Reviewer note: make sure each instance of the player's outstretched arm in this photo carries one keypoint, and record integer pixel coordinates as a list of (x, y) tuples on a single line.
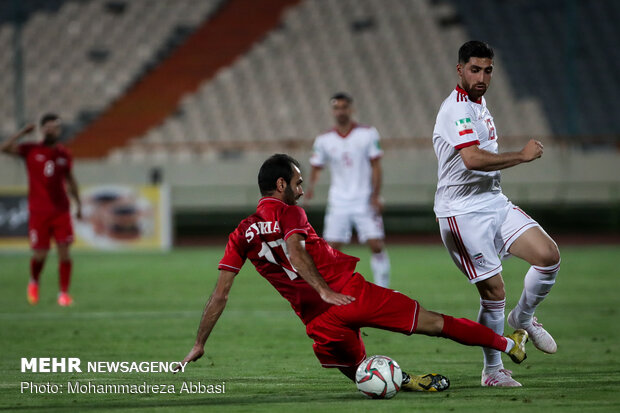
[(478, 159), (212, 312), (303, 263), (10, 145)]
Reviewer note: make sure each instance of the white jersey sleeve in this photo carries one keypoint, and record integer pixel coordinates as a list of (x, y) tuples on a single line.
[(374, 148), (458, 127), (319, 155)]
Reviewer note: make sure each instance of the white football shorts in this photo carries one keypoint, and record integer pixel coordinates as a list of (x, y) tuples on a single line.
[(340, 221), (478, 241)]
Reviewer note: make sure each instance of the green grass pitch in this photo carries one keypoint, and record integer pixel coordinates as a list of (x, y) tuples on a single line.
[(143, 307)]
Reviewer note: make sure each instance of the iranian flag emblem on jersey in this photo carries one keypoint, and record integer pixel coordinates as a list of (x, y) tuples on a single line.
[(464, 126)]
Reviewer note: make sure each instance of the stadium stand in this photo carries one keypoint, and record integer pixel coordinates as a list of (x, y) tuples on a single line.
[(81, 55), (571, 62), (397, 61), (215, 45)]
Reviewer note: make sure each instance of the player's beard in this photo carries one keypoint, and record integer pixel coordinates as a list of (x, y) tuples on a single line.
[(50, 139), (343, 120), (289, 196), (473, 92)]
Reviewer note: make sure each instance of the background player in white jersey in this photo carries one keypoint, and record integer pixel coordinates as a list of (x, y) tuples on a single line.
[(353, 155), (479, 225)]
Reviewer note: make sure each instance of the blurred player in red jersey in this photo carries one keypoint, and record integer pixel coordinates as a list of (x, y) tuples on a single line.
[(321, 284), (49, 167)]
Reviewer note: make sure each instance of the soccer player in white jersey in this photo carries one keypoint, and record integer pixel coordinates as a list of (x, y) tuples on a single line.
[(479, 225), (353, 154)]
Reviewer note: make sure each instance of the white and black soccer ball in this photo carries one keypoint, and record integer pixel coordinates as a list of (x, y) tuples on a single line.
[(379, 377)]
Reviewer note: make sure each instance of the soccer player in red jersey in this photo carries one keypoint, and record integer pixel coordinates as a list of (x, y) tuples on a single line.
[(49, 167), (321, 284)]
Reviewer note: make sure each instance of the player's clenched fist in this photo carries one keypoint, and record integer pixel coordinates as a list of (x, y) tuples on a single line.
[(532, 150)]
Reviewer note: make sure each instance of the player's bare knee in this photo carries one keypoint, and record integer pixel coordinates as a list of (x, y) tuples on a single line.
[(430, 323), (552, 256), (492, 289), (63, 253), (547, 256), (495, 294), (376, 246), (39, 255)]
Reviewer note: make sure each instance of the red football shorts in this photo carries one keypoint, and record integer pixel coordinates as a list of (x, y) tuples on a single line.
[(41, 227), (336, 332)]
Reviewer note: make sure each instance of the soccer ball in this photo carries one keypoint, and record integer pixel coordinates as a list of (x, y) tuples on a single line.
[(379, 377)]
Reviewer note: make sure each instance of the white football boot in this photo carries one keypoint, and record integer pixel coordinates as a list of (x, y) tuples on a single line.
[(540, 337), (498, 378)]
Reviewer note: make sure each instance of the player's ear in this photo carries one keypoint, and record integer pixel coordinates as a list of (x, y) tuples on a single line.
[(281, 184), (459, 69)]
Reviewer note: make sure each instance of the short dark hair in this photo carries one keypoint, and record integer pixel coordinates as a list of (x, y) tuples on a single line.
[(475, 48), (342, 96), (48, 117), (276, 166)]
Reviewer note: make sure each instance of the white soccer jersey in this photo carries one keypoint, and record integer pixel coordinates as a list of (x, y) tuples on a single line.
[(348, 157), (461, 123)]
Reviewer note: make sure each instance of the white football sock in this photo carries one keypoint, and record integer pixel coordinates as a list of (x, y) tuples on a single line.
[(380, 264), (492, 315), (536, 285)]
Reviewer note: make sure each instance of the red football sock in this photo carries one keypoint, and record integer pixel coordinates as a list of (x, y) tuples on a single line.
[(35, 270), (64, 270), (470, 333)]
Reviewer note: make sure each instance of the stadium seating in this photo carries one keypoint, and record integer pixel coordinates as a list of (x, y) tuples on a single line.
[(79, 56), (397, 61), (567, 58)]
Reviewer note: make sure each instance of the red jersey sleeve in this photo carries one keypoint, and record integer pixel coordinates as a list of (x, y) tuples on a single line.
[(235, 253), (24, 149), (293, 220)]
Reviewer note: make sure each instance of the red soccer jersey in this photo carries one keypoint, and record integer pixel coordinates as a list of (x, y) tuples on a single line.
[(262, 236), (48, 167)]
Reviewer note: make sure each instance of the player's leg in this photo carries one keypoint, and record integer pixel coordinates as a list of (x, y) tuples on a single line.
[(470, 333), (386, 309), (39, 235), (339, 345), (63, 233), (369, 227), (379, 262), (64, 275), (471, 243), (336, 334), (349, 372), (37, 261), (541, 252), (491, 314), (337, 228), (336, 345)]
